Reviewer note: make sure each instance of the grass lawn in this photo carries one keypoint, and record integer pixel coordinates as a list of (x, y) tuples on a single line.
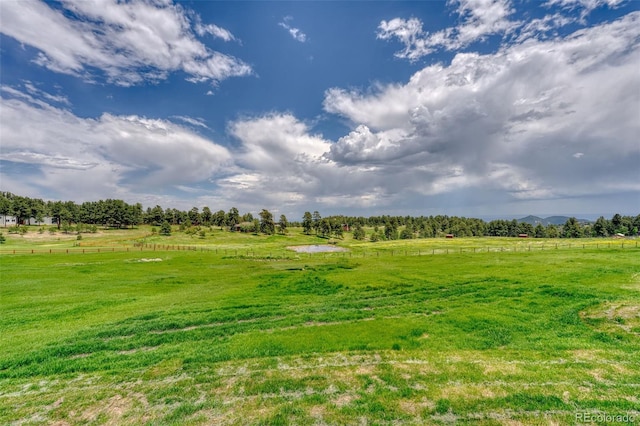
[(497, 331)]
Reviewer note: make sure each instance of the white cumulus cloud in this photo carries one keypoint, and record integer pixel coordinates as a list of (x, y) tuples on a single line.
[(480, 18), (91, 158), (126, 42), (511, 120)]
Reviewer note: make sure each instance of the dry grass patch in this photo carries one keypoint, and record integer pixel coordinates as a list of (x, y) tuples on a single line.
[(118, 410), (416, 407), (491, 368), (615, 315), (343, 399)]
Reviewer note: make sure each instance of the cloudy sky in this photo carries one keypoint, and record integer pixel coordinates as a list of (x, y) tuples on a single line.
[(489, 108)]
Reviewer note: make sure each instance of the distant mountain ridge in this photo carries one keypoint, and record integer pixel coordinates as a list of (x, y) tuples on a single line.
[(551, 220)]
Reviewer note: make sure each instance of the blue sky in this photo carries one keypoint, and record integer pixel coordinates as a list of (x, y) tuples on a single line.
[(491, 108)]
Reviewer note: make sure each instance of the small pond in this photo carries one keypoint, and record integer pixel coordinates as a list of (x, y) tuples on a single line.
[(317, 248)]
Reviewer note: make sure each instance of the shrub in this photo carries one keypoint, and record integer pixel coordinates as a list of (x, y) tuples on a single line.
[(358, 233), (406, 234), (2, 239), (165, 229)]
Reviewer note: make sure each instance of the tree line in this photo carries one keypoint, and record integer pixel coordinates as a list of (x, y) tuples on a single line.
[(119, 214), (407, 227)]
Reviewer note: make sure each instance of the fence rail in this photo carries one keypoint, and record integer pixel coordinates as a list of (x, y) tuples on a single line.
[(79, 249), (290, 254)]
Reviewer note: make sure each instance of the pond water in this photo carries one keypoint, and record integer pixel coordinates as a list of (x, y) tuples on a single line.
[(317, 248)]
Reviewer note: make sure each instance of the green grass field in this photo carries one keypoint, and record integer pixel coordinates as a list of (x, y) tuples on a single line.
[(243, 331)]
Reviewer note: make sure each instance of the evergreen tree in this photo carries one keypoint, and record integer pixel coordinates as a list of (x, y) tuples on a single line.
[(324, 227), (552, 231), (391, 231), (206, 216), (219, 218), (540, 231), (233, 218), (358, 232), (283, 224), (165, 229), (336, 227), (406, 234), (21, 209), (267, 225), (307, 223), (600, 227), (571, 228), (316, 221), (194, 216)]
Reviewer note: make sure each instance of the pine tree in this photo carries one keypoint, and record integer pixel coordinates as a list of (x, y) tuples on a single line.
[(165, 229), (307, 223)]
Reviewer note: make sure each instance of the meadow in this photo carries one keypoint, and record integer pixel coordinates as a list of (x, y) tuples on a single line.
[(238, 329)]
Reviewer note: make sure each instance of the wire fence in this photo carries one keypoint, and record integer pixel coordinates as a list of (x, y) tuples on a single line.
[(282, 253)]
